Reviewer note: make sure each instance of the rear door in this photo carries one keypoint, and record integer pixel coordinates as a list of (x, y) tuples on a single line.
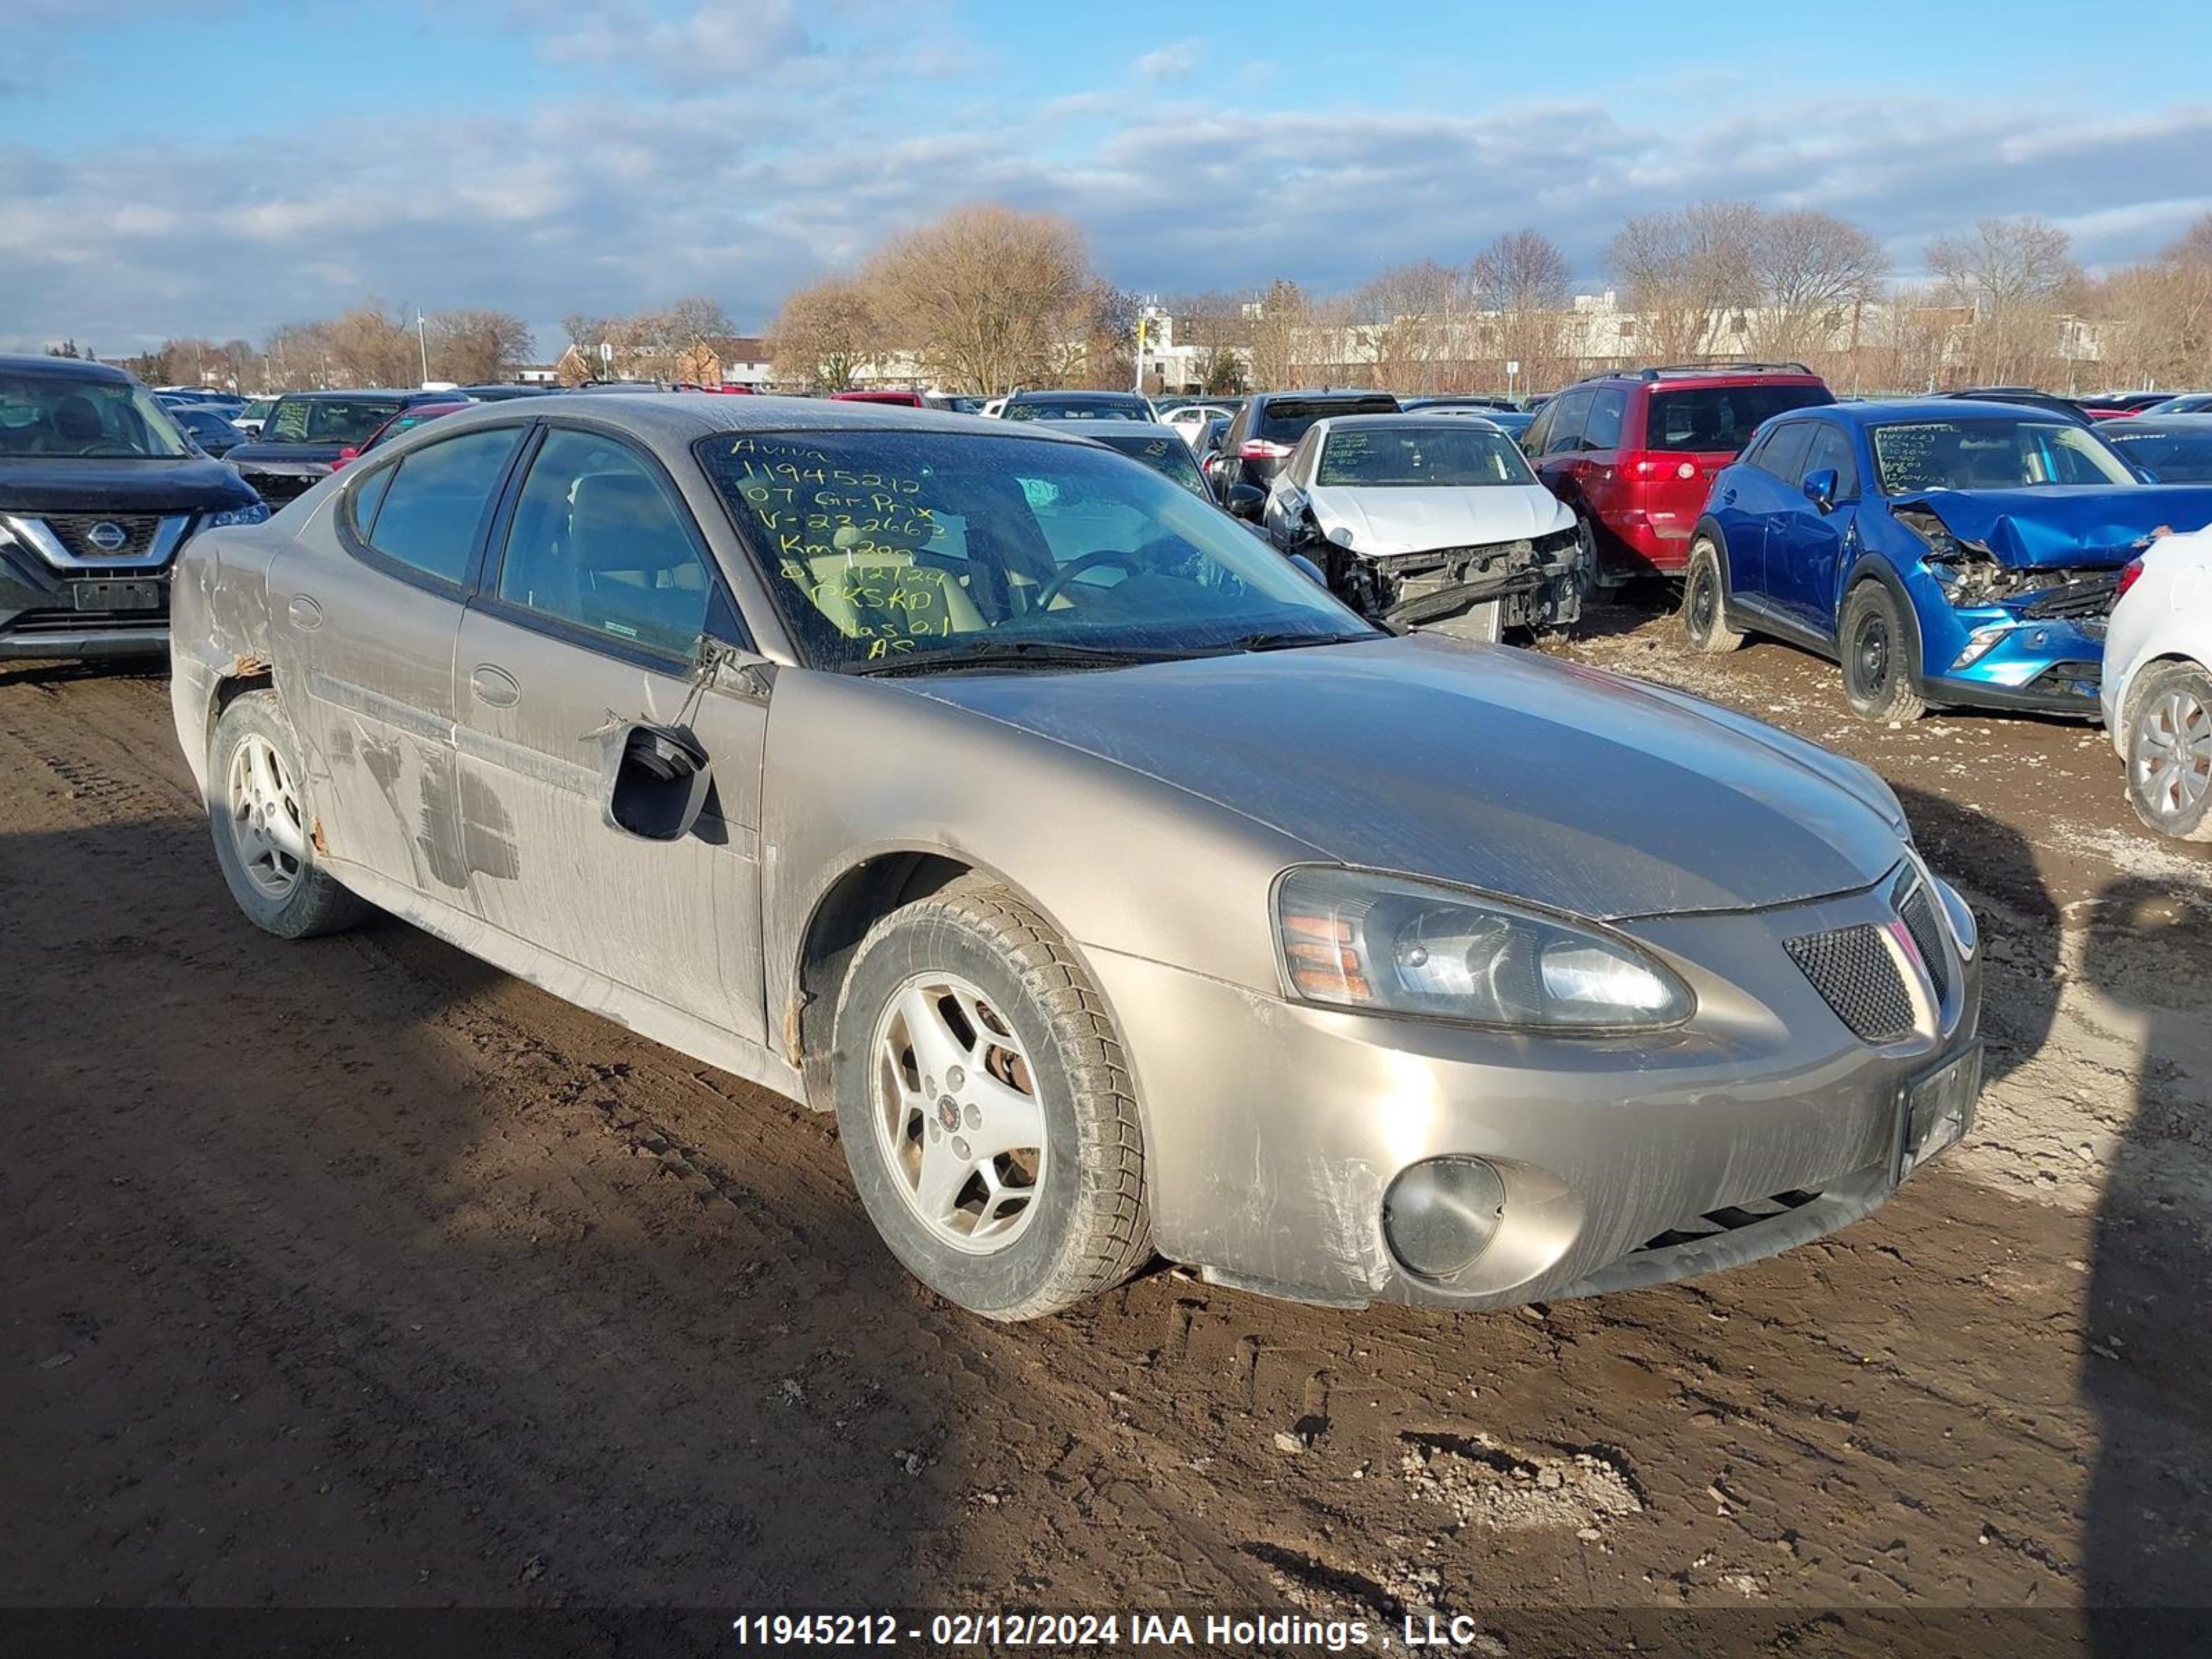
[(593, 599), (1805, 547), (364, 613)]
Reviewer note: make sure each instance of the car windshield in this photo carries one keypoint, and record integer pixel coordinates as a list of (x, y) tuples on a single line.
[(1166, 454), (71, 414), (1720, 419), (890, 549), (326, 420), (1439, 456), (1075, 409), (1997, 453), (2174, 457)]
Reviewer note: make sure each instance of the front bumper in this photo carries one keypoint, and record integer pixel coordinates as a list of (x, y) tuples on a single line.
[(1533, 579), (2046, 665), (1274, 1129), (40, 615)]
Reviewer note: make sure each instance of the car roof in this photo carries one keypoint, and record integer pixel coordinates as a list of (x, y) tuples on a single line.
[(75, 369), (1317, 393), (2181, 421), (1118, 428), (364, 392), (679, 419), (1075, 397), (1405, 418), (1911, 408), (1695, 374)]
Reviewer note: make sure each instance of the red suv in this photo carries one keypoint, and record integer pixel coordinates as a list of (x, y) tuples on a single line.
[(1633, 452)]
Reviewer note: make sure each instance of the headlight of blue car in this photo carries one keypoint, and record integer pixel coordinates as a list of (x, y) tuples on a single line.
[(1384, 944), (251, 513)]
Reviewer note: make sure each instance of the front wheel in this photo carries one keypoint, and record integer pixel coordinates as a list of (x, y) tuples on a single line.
[(2170, 751), (1704, 616), (265, 833), (1878, 646), (987, 1112)]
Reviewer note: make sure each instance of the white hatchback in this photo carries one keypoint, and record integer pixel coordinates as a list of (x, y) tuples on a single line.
[(2157, 690)]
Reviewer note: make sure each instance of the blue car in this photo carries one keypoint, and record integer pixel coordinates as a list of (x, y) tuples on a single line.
[(1945, 552)]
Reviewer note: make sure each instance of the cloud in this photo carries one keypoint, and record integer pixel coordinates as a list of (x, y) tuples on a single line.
[(1167, 62), (698, 47), (603, 204)]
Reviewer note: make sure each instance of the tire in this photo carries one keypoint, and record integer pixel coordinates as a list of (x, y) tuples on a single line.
[(264, 826), (1704, 613), (1878, 646), (1049, 1225), (2169, 740), (1587, 585)]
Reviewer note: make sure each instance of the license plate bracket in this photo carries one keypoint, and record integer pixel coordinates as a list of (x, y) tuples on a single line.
[(1938, 1108), (109, 593)]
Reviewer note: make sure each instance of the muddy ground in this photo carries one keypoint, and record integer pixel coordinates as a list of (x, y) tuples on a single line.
[(355, 1273)]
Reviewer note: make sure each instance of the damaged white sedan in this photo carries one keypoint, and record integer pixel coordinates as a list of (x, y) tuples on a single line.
[(1415, 519)]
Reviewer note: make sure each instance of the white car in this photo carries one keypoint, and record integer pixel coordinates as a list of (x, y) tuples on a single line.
[(1418, 518), (2157, 690), (1189, 420)]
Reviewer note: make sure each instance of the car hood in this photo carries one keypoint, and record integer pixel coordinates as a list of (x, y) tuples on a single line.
[(1493, 768), (1415, 521), (2067, 526), (286, 456), (61, 484)]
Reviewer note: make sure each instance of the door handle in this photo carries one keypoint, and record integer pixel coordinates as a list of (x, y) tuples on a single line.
[(494, 687), (304, 611)]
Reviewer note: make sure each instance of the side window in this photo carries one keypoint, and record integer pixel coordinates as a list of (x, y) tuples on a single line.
[(363, 499), (1539, 429), (1783, 454), (598, 542), (1567, 434), (1602, 430), (430, 511), (1831, 451)]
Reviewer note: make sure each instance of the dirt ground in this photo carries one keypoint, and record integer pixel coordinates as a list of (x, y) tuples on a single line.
[(355, 1273)]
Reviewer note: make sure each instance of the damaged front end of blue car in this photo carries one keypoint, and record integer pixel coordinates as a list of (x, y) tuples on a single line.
[(2012, 589)]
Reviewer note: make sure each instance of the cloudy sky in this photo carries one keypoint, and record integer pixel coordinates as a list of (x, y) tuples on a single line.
[(215, 167)]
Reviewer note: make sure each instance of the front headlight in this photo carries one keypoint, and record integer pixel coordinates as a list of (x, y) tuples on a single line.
[(251, 513), (1384, 943)]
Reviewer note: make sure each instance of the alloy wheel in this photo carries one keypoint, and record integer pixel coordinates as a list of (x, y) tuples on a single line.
[(956, 1114), (267, 824), (2172, 757)]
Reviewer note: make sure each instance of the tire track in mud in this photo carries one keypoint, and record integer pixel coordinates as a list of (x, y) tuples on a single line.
[(485, 1288)]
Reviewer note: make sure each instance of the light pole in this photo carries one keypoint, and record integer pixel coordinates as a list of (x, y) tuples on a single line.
[(422, 339)]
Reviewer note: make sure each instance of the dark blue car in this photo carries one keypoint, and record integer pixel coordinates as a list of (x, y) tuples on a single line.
[(1944, 552)]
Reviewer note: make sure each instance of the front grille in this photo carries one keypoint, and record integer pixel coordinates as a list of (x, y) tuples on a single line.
[(74, 531), (2078, 679), (1856, 975), (1919, 911), (2085, 596), (1729, 1218)]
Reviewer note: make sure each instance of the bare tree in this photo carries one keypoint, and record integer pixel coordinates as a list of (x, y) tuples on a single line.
[(1281, 319), (2155, 318), (473, 347), (1522, 281), (826, 332), (1814, 275), (1688, 273), (986, 294), (1409, 329), (1216, 325), (2017, 278)]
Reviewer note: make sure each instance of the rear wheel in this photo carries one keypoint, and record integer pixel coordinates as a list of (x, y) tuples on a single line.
[(987, 1113), (1704, 619), (1878, 646), (263, 830), (2170, 751)]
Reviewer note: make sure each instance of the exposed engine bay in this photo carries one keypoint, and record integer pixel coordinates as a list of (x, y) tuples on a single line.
[(1535, 579)]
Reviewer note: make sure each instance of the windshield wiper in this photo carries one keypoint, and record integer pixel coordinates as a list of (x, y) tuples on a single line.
[(1041, 653), (1283, 642)]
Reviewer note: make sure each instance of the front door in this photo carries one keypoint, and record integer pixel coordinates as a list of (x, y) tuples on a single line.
[(1804, 545), (367, 628), (592, 608)]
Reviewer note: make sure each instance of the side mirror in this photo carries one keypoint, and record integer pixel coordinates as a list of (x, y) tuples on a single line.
[(2146, 474), (1820, 489), (350, 453), (655, 780), (1311, 569), (1247, 501)]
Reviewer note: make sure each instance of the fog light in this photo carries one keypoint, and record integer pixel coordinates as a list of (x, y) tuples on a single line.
[(1441, 1215), (1979, 644)]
